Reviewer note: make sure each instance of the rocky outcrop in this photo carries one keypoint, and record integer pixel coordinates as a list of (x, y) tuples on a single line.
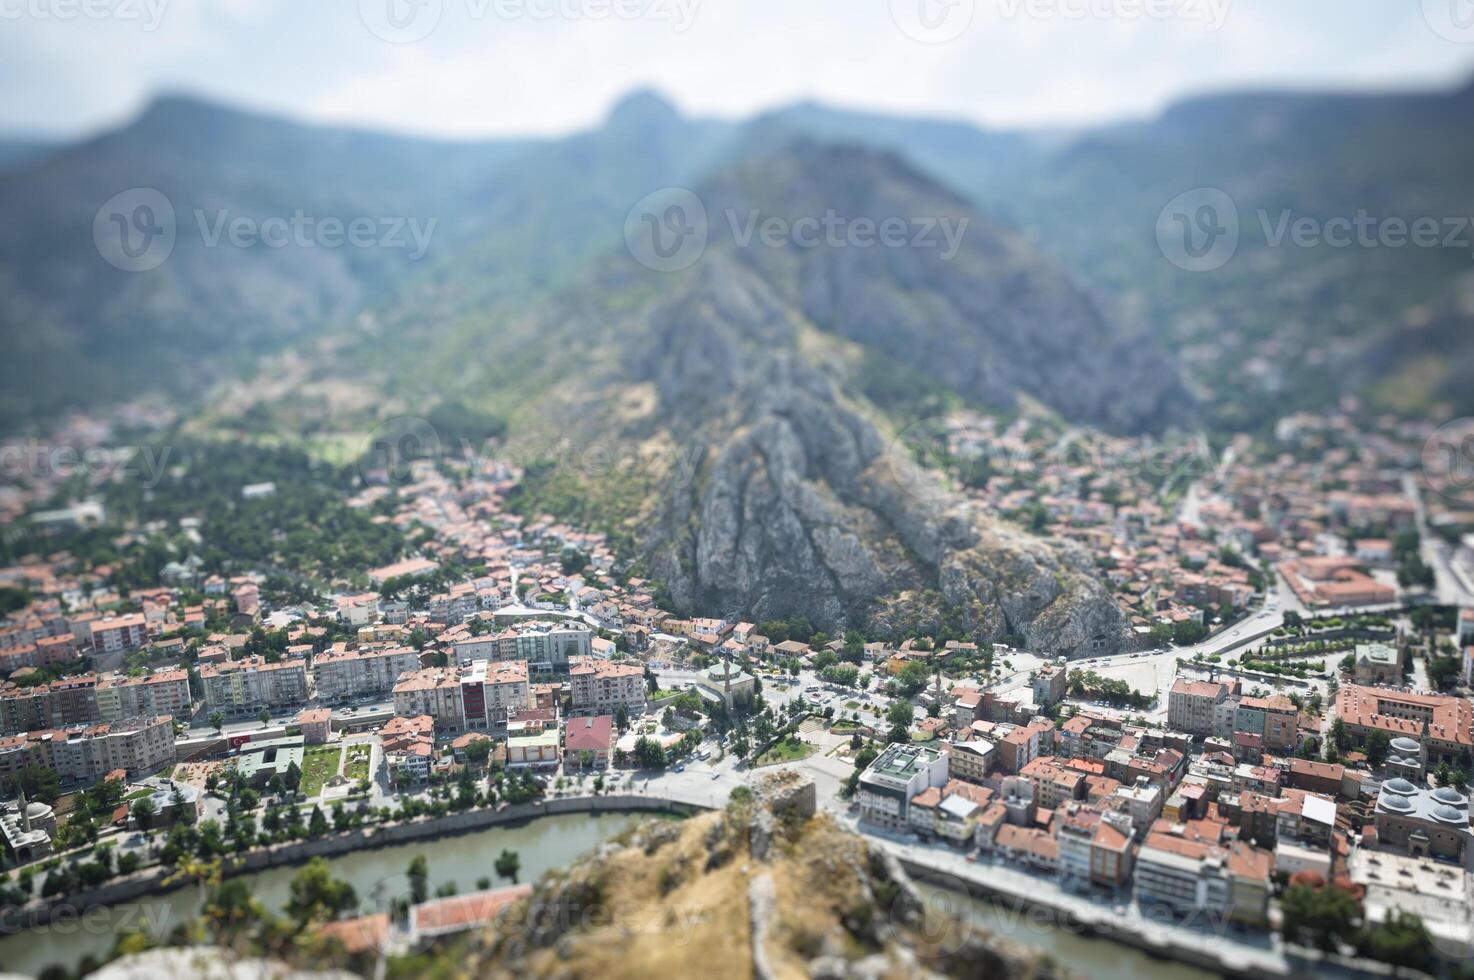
[(948, 293), (817, 901), (798, 503)]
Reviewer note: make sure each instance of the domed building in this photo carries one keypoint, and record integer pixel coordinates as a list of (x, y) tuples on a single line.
[(27, 829), (1405, 759), (1425, 823)]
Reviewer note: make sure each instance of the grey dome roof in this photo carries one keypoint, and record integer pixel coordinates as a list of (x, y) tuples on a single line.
[(1451, 796), (1447, 814), (1405, 745), (1399, 786), (37, 809), (1392, 801)]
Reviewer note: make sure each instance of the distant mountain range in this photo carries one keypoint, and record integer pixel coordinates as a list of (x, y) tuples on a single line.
[(758, 387), (1296, 325)]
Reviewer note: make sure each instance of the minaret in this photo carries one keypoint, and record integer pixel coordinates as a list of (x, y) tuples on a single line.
[(25, 812)]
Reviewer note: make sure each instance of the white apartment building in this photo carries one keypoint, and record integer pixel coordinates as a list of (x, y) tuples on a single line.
[(119, 633), (1190, 705), (603, 685), (433, 691), (163, 693), (244, 687), (135, 745), (898, 774), (492, 691), (352, 674)]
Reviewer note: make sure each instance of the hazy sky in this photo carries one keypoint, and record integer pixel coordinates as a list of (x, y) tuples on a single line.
[(475, 67)]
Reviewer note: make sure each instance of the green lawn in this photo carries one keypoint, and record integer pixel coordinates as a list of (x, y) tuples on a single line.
[(852, 705), (358, 762), (790, 749), (319, 764)]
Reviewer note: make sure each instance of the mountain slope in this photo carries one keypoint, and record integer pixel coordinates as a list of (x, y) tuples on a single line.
[(1276, 328), (86, 331), (951, 295), (760, 481)]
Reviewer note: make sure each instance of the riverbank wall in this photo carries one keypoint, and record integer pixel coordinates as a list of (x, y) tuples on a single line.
[(156, 880), (1196, 951)]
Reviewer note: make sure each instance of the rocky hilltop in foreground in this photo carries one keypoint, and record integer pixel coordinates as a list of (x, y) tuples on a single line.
[(764, 888)]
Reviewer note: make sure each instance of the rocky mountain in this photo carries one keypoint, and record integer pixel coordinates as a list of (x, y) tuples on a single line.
[(952, 295), (798, 504), (768, 485), (86, 323), (1275, 327)]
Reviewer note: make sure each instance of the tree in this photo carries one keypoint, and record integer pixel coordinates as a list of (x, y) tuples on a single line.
[(912, 678), (649, 754), (316, 894), (232, 908), (1377, 744), (144, 812), (217, 720), (1320, 917), (508, 865), (478, 751), (317, 824), (40, 783), (901, 713), (264, 716), (419, 879), (1400, 939)]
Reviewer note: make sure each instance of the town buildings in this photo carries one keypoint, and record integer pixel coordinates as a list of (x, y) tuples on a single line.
[(1425, 823), (366, 673), (163, 692), (493, 691), (85, 753), (1442, 725), (886, 787), (603, 685), (435, 692), (243, 687), (588, 741)]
